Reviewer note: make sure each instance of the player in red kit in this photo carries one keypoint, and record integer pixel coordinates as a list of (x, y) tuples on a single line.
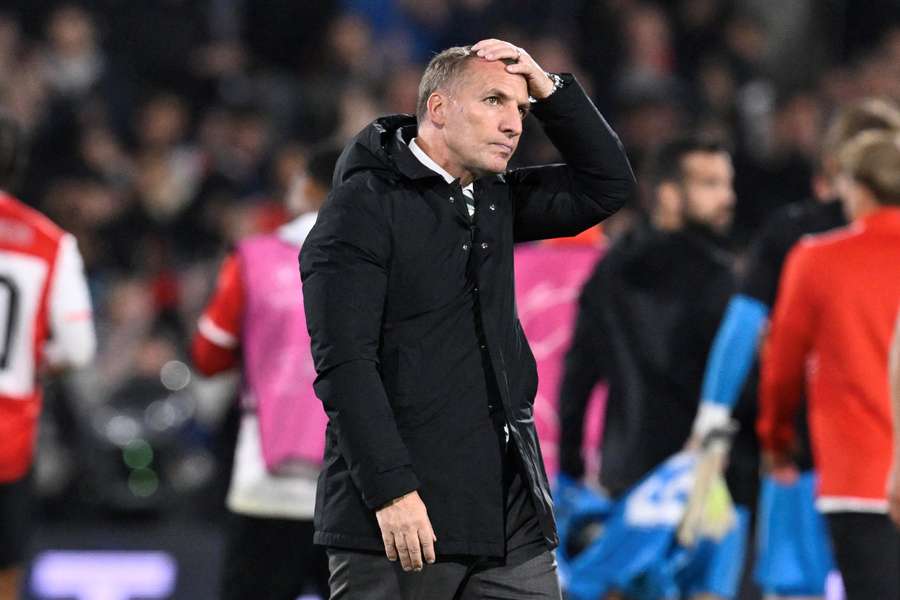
[(45, 321)]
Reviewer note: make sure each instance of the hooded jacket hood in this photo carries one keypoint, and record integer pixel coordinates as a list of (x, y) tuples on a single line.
[(382, 147)]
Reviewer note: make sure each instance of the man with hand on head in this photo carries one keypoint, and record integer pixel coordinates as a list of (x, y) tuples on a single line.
[(433, 484)]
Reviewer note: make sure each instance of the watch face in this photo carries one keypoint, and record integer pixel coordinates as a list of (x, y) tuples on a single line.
[(556, 79)]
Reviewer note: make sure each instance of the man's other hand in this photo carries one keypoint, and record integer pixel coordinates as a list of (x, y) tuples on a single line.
[(406, 531), (781, 467)]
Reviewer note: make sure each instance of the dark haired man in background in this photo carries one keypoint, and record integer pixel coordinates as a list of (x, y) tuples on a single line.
[(646, 318), (647, 315)]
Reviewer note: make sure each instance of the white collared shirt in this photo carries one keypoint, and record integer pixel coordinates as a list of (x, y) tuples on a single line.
[(468, 191)]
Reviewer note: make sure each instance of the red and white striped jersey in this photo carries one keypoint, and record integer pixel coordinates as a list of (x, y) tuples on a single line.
[(43, 293)]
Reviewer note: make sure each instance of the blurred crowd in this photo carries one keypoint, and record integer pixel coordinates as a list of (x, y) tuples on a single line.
[(163, 131)]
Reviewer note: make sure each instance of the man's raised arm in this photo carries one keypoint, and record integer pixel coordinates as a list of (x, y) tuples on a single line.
[(596, 181)]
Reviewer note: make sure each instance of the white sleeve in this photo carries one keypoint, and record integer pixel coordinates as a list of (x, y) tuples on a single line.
[(73, 341)]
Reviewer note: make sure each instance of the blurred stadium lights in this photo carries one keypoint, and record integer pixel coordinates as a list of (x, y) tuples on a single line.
[(146, 445), (175, 375)]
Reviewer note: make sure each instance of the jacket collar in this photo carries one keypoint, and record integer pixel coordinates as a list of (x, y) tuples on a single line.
[(410, 166), (406, 162)]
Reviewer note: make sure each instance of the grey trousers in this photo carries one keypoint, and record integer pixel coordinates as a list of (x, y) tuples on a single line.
[(359, 575)]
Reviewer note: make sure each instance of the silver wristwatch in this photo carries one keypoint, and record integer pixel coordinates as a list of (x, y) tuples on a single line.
[(558, 83), (557, 80)]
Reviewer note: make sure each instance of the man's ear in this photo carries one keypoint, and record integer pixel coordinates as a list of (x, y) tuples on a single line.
[(437, 108)]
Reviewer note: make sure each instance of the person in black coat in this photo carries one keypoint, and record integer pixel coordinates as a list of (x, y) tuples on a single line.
[(424, 371), (647, 316)]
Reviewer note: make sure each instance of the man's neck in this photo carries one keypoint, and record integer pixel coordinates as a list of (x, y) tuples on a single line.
[(428, 142), (864, 207)]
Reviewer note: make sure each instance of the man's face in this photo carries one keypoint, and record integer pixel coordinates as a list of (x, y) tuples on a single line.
[(483, 118), (708, 191)]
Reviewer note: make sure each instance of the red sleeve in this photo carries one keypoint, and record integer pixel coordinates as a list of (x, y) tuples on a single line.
[(784, 356), (216, 345)]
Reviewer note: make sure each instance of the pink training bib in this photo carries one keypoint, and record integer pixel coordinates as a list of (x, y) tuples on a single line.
[(278, 366)]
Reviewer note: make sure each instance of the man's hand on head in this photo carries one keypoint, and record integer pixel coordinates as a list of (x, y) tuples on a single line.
[(540, 85), (406, 531)]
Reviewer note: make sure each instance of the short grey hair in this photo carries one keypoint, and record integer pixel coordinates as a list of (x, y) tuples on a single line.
[(442, 72)]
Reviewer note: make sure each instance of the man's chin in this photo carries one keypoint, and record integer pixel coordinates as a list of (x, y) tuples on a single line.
[(718, 228), (495, 166)]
